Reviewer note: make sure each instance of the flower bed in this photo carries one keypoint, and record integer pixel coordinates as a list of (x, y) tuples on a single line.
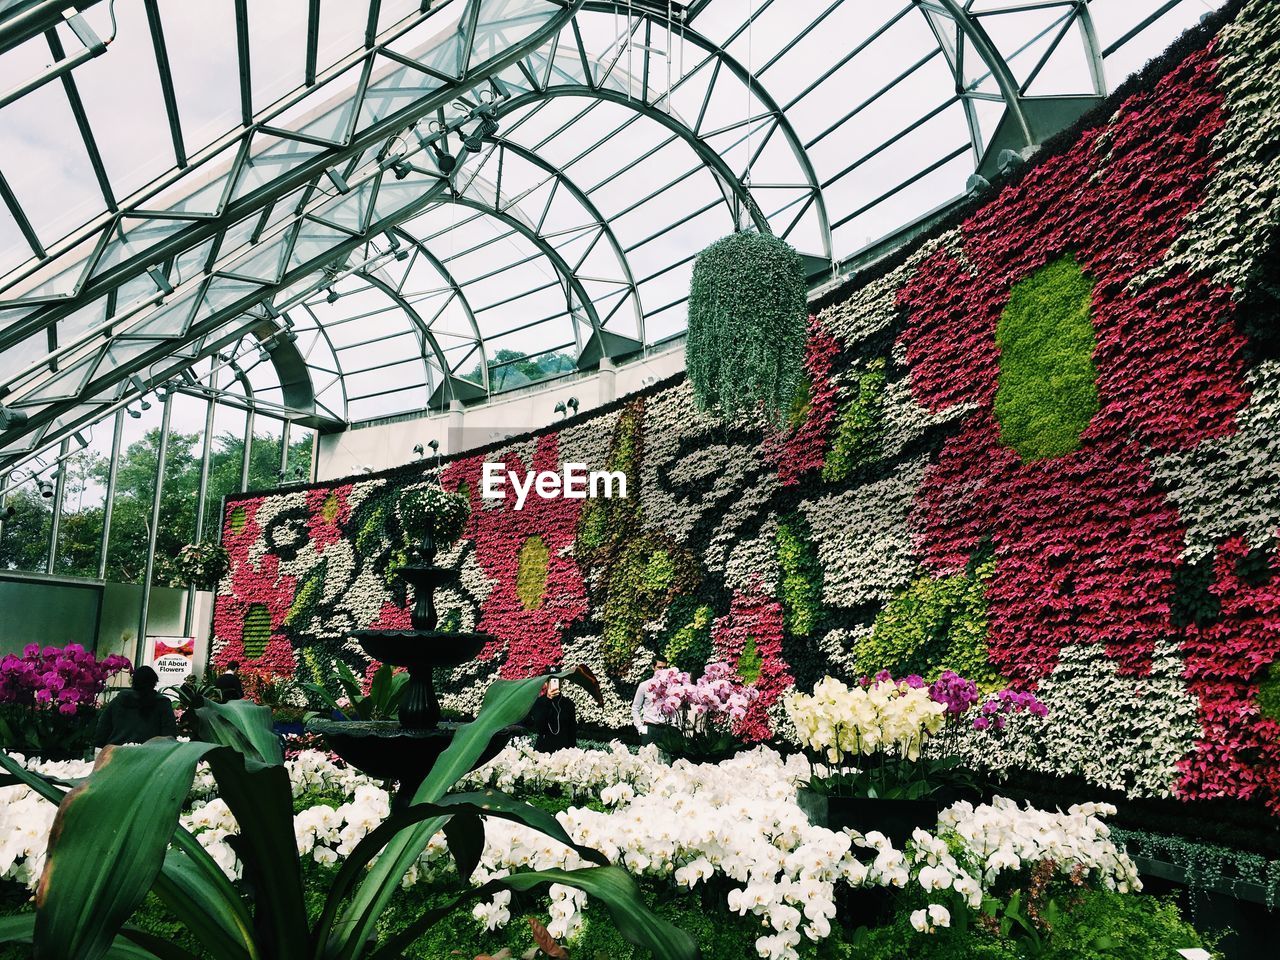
[(726, 837)]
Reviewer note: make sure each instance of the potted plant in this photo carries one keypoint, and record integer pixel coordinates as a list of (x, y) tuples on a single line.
[(202, 564), (884, 750), (700, 715), (48, 699)]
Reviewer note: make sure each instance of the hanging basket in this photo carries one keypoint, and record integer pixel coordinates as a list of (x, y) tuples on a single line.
[(747, 327)]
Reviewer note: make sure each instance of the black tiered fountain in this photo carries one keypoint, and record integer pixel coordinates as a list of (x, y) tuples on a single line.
[(406, 748)]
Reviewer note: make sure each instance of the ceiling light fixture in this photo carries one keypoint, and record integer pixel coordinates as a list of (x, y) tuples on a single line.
[(333, 297)]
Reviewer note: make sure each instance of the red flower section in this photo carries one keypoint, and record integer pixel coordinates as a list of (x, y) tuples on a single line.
[(756, 616), (1085, 544), (529, 629), (1240, 753), (392, 617), (261, 586), (804, 447), (328, 510), (1085, 547)]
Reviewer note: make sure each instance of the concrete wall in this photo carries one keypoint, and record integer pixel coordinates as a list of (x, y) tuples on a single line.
[(391, 444)]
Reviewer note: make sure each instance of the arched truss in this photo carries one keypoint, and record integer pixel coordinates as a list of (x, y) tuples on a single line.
[(244, 233)]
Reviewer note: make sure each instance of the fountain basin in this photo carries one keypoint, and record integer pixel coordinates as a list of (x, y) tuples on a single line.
[(385, 750), (418, 649)]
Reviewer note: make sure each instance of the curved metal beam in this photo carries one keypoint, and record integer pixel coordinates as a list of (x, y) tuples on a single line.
[(447, 275), (427, 337), (728, 62), (232, 212), (730, 185), (597, 217), (986, 49)]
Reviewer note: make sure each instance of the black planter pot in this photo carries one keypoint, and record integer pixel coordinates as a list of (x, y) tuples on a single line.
[(896, 819)]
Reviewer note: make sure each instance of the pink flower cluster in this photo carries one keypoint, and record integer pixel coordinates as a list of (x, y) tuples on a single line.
[(993, 711), (61, 678), (716, 699), (960, 695)]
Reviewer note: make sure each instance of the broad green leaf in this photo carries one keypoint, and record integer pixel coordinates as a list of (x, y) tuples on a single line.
[(191, 884), (506, 702), (196, 891), (260, 798), (108, 845), (464, 833), (20, 928), (244, 726), (616, 889)]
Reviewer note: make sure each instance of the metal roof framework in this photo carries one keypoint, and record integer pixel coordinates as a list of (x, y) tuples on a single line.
[(431, 184)]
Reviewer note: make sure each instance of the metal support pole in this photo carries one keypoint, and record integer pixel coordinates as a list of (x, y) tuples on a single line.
[(140, 645), (285, 432), (109, 502), (202, 489), (248, 450), (59, 495)]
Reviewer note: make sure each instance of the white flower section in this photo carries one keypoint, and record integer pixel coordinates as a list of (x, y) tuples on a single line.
[(1243, 195), (874, 307), (1118, 732), (1231, 486), (873, 558), (684, 824)]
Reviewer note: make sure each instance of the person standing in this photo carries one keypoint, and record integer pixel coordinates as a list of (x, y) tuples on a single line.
[(228, 683), (137, 714), (644, 708), (553, 720)]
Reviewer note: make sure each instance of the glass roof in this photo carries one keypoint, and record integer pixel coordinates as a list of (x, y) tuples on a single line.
[(402, 203)]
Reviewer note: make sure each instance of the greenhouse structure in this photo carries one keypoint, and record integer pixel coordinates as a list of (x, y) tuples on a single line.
[(794, 479)]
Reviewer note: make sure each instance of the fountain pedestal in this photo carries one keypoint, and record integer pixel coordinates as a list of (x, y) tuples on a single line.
[(405, 749)]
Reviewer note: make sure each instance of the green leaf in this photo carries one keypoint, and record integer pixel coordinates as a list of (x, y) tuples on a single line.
[(260, 798), (616, 889), (191, 884), (245, 727), (506, 702), (464, 833), (107, 848)]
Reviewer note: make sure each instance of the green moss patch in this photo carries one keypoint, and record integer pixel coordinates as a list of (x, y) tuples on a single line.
[(1047, 389)]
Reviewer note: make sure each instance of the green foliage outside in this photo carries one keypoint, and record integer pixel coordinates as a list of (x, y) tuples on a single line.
[(934, 624), (800, 578), (747, 326), (25, 540), (860, 428), (512, 368), (1047, 390), (531, 572)]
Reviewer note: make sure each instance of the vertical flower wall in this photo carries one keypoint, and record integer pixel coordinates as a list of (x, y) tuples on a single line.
[(1041, 447)]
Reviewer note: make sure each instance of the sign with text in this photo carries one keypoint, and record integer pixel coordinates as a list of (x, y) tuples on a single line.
[(172, 658)]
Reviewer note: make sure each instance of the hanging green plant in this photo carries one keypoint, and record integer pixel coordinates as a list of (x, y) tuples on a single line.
[(747, 325)]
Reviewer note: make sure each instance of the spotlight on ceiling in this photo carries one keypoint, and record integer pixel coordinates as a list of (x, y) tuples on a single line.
[(401, 252), (333, 297), (401, 169), (133, 413), (1008, 160), (144, 405), (447, 162), (434, 445), (418, 449), (10, 417), (573, 404), (46, 488), (976, 182)]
